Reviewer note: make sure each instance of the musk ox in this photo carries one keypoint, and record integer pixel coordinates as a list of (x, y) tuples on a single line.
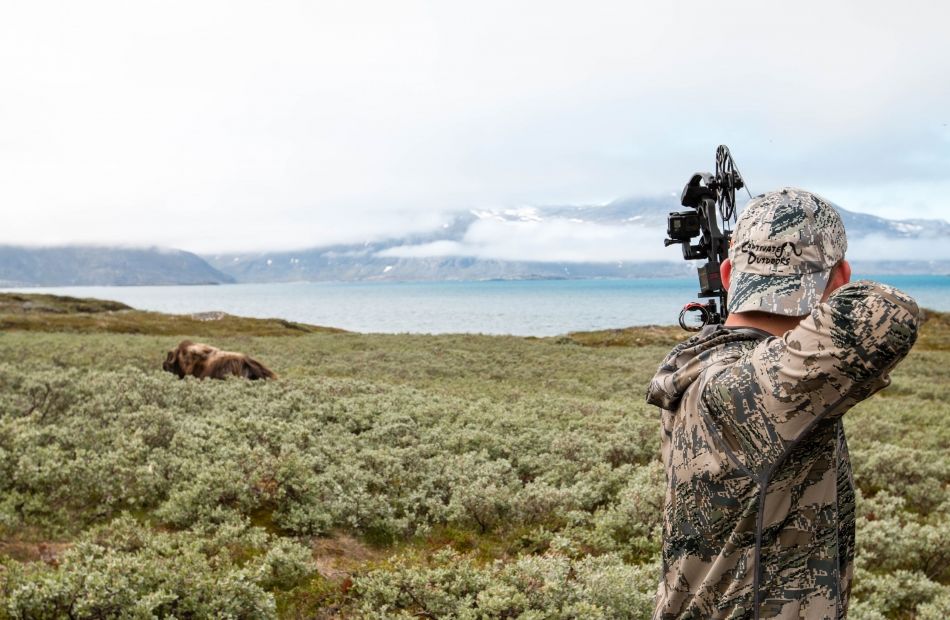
[(202, 360)]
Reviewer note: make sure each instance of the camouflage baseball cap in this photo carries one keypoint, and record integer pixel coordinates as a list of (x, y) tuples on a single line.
[(783, 249)]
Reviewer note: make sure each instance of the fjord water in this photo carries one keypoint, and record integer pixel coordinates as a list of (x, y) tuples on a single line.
[(519, 307)]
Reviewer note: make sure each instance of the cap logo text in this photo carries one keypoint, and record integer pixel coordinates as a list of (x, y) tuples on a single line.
[(769, 254)]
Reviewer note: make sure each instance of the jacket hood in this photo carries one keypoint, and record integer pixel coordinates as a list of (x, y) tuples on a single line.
[(686, 361)]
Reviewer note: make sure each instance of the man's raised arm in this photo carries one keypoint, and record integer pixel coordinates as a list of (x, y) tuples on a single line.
[(836, 357)]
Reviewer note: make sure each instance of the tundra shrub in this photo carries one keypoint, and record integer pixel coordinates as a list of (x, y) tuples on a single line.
[(550, 586), (124, 570), (537, 462)]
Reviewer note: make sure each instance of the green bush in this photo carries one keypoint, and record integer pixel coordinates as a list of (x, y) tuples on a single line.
[(546, 586), (125, 570)]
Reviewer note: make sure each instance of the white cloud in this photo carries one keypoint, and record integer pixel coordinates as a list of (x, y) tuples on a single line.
[(550, 240), (425, 250), (213, 124), (895, 200), (880, 248), (567, 240)]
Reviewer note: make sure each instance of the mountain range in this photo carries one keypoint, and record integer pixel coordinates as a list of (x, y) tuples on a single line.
[(394, 259), (375, 260)]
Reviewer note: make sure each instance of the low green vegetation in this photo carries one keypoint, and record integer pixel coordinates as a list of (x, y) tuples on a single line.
[(391, 476)]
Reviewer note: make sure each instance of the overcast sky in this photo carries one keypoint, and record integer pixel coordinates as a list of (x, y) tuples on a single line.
[(233, 125)]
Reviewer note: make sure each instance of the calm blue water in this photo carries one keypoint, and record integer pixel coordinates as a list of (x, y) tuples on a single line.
[(527, 308)]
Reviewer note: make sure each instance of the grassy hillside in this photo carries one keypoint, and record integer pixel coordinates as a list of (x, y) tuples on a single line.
[(389, 476), (53, 313)]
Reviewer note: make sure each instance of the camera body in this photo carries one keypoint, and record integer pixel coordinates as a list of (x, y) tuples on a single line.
[(681, 227), (711, 200)]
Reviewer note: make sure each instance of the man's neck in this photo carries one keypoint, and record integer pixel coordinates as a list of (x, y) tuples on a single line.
[(774, 324)]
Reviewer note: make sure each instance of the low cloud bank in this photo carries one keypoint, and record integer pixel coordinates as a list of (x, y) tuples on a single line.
[(881, 248), (563, 240), (551, 240)]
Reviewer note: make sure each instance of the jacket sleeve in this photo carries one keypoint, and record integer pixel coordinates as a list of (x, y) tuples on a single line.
[(839, 355)]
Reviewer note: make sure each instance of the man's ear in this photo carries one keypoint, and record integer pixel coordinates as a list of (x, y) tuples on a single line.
[(725, 272), (845, 271), (840, 275)]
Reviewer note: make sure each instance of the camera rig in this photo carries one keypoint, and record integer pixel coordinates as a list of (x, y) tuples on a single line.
[(712, 200)]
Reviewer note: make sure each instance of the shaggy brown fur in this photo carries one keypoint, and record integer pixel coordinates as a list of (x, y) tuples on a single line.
[(202, 360)]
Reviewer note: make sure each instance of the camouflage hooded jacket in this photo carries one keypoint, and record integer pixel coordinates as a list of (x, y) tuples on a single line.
[(759, 512)]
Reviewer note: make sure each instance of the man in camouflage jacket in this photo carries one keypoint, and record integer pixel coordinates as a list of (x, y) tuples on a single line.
[(759, 512)]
